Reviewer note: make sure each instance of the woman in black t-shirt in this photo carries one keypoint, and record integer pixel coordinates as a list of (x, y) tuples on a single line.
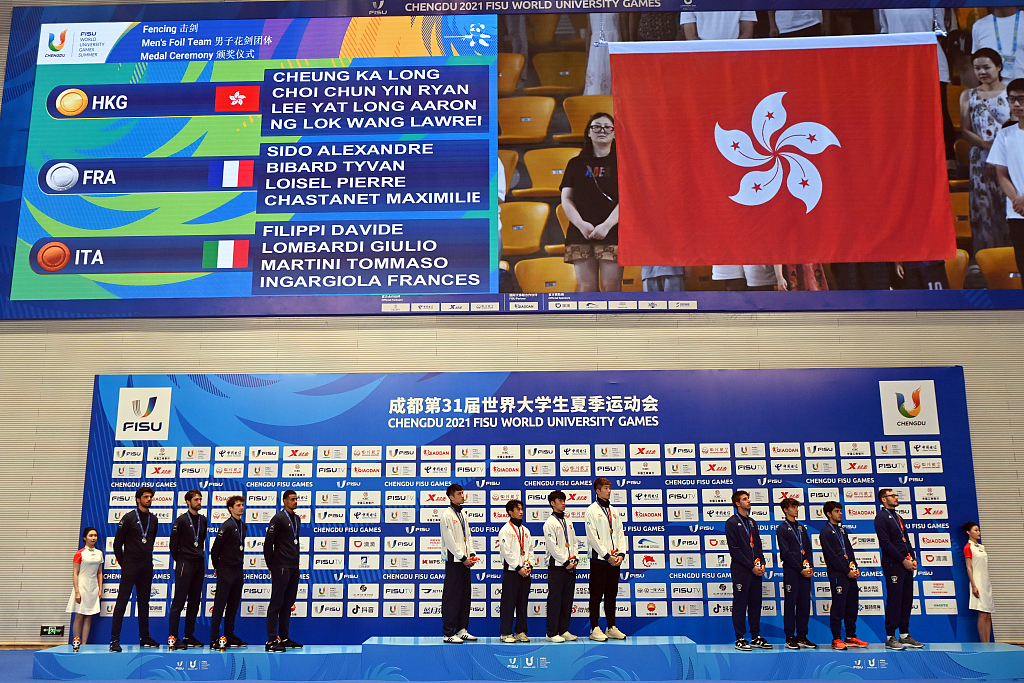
[(590, 198)]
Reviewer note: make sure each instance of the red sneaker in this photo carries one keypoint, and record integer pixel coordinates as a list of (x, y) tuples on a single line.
[(838, 644), (855, 642)]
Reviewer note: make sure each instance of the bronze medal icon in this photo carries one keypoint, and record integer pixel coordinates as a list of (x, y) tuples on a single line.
[(72, 102), (53, 256)]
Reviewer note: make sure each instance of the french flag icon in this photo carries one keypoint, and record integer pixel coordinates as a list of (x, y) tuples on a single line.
[(231, 173)]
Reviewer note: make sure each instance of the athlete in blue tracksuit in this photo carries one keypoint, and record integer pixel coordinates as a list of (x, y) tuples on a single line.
[(747, 570), (842, 578), (797, 570), (898, 565)]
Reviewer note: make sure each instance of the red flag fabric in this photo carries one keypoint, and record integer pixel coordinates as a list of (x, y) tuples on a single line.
[(237, 98), (797, 150)]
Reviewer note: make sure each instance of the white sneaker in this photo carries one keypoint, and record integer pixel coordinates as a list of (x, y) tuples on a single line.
[(465, 635), (568, 636), (508, 639), (554, 639), (597, 634), (614, 633), (453, 639), (522, 638)]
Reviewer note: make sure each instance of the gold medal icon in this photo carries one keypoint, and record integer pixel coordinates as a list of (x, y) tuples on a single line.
[(72, 102)]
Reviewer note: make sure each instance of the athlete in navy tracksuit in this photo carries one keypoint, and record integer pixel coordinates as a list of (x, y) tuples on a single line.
[(842, 578), (898, 565), (797, 570), (747, 569)]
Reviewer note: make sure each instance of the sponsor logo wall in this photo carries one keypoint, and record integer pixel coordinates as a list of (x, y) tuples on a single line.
[(371, 456)]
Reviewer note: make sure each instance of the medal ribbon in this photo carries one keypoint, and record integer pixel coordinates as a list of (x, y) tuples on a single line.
[(149, 524), (519, 535)]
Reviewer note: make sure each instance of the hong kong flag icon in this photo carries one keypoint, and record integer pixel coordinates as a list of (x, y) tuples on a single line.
[(237, 98)]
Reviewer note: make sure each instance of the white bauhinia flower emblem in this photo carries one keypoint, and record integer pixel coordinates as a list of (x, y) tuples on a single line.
[(237, 99), (802, 180)]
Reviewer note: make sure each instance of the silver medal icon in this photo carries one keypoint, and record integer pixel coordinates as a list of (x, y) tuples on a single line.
[(62, 177)]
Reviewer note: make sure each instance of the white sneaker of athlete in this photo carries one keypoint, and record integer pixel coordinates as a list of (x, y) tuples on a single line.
[(614, 633), (466, 635), (554, 639), (568, 636), (597, 634)]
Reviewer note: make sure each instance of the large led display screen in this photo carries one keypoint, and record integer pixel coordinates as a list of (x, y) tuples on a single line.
[(390, 158)]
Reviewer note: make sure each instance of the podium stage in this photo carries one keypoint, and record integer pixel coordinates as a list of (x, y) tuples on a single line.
[(642, 658)]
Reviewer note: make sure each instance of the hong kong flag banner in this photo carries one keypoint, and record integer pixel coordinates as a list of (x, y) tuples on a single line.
[(799, 150)]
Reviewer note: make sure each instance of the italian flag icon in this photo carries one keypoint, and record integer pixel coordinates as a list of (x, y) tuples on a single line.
[(226, 254)]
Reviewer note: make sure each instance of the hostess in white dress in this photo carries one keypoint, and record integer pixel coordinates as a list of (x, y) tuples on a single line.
[(90, 561), (979, 567)]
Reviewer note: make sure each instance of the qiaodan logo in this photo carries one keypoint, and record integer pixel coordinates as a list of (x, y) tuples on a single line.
[(802, 180), (58, 46), (902, 403)]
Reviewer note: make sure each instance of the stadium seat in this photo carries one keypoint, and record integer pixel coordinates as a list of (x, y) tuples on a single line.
[(953, 103), (524, 120), (962, 149), (581, 29), (560, 73), (522, 224), (540, 30), (548, 274), (999, 266), (509, 159), (563, 222), (546, 167), (962, 217), (959, 185), (579, 110), (956, 269), (631, 281), (510, 69)]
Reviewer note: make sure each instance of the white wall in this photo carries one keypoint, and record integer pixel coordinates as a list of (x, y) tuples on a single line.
[(47, 369)]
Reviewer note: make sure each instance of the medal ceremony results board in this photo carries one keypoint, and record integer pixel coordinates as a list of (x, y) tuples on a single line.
[(260, 157), (371, 456)]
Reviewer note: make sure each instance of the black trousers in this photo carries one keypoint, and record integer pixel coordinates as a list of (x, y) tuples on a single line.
[(796, 605), (604, 583), (229, 598), (515, 592), (746, 602), (561, 589), (189, 576), (284, 587), (861, 275), (1017, 240), (139, 577), (845, 603), (899, 596), (456, 598)]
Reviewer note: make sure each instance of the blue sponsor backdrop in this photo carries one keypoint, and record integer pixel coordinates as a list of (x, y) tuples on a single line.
[(371, 456)]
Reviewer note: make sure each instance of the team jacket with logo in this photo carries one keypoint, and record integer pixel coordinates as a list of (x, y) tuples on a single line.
[(508, 545), (789, 546), (128, 546), (279, 547), (183, 548), (456, 539), (892, 537), (604, 539), (739, 537), (227, 547), (559, 548), (837, 549)]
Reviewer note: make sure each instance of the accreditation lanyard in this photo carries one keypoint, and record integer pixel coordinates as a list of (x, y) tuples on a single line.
[(195, 531), (149, 525), (1009, 59)]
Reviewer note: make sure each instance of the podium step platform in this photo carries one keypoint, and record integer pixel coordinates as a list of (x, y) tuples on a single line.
[(642, 658)]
